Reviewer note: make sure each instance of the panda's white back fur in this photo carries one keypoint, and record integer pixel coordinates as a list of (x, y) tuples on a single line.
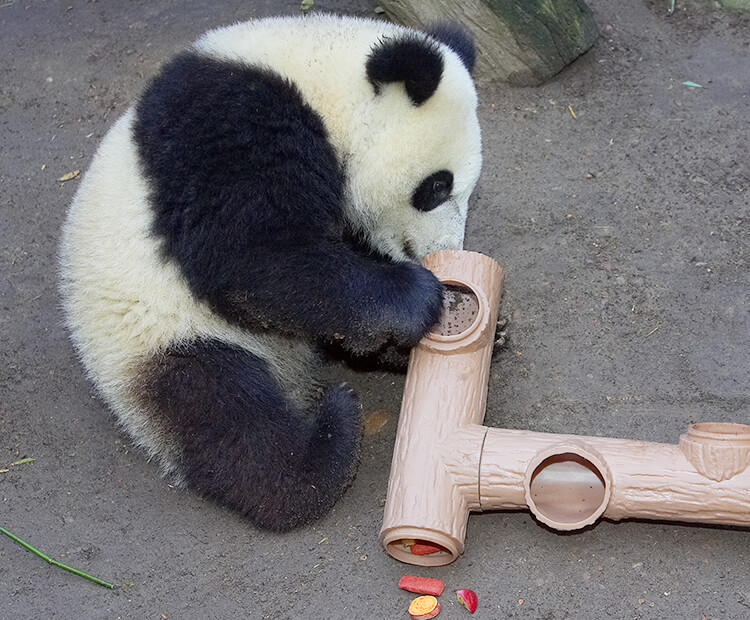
[(126, 304)]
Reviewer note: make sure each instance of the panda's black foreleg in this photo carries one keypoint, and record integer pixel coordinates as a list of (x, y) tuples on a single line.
[(334, 294), (241, 442)]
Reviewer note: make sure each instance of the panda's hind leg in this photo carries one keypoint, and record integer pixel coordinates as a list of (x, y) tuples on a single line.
[(241, 441)]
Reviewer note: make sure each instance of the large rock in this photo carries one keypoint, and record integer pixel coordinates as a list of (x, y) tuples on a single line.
[(522, 42)]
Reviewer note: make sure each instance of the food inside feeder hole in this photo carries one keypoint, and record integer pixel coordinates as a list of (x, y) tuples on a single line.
[(460, 310)]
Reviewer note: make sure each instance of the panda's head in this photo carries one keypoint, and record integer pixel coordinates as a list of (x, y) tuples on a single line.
[(416, 155)]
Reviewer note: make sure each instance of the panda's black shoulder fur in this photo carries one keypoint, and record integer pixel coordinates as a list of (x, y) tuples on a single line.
[(235, 158)]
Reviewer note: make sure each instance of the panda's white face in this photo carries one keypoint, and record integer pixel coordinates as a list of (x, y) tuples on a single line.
[(413, 165), (416, 167)]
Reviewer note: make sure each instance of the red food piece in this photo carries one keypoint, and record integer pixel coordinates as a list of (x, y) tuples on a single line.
[(421, 585), (468, 598), (422, 547)]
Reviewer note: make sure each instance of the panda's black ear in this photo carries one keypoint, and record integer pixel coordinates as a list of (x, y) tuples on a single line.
[(458, 39), (412, 59)]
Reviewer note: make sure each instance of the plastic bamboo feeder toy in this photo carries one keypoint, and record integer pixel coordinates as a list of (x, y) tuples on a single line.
[(446, 464)]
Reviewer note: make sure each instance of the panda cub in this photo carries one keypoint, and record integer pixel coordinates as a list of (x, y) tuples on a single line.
[(271, 191)]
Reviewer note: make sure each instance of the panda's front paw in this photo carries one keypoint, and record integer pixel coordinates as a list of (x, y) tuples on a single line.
[(416, 306), (397, 310)]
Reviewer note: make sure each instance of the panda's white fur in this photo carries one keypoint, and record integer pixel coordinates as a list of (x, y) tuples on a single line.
[(132, 313)]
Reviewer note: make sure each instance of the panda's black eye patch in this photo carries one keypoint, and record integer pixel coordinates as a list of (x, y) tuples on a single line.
[(433, 191)]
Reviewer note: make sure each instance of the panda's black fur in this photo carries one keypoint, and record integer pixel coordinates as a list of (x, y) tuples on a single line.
[(247, 196)]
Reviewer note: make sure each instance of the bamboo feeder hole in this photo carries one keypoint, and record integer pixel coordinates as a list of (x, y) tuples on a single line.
[(460, 311), (566, 488)]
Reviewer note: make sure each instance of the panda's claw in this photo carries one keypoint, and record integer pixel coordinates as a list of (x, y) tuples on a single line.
[(348, 389), (501, 332)]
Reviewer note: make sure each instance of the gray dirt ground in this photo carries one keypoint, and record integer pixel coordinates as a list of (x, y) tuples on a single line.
[(627, 291)]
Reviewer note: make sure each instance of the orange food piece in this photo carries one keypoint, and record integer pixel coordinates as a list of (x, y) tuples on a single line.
[(424, 608), (375, 421)]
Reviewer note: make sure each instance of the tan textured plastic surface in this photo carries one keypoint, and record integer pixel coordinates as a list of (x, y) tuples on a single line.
[(640, 480), (446, 464), (434, 473)]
